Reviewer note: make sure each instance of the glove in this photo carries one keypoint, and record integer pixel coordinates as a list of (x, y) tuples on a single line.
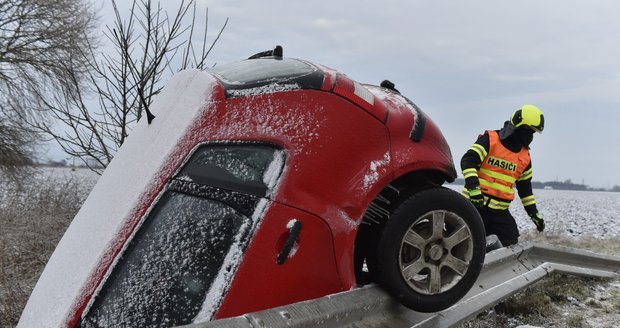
[(538, 221), (475, 196)]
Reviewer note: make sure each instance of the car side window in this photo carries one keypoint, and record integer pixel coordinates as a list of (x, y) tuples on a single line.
[(247, 168), (174, 258)]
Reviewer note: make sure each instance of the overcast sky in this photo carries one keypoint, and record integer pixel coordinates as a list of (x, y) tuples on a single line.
[(468, 64)]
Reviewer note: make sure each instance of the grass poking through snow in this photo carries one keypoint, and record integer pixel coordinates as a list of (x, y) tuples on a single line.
[(33, 217), (561, 300)]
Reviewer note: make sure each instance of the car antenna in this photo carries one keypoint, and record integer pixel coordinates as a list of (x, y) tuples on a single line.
[(277, 52), (149, 115)]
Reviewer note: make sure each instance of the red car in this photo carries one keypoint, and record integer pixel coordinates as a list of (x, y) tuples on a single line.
[(262, 183)]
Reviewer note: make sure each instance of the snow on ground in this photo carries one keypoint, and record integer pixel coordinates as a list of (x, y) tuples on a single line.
[(83, 178), (566, 212), (578, 213), (571, 213)]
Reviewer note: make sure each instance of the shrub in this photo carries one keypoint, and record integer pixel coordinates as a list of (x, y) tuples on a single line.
[(34, 214)]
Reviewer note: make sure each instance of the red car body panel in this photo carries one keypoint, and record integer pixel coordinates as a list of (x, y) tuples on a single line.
[(259, 282), (430, 153), (326, 161), (342, 148)]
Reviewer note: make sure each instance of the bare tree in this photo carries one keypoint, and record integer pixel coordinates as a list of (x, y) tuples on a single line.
[(15, 146), (148, 45), (38, 40)]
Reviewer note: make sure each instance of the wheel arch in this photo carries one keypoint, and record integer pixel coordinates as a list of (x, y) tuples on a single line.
[(381, 208)]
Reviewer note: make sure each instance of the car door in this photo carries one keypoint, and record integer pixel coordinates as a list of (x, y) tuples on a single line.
[(180, 261)]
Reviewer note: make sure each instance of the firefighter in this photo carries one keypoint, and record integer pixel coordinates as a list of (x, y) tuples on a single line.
[(494, 164)]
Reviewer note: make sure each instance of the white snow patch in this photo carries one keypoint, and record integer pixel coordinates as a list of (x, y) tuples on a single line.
[(575, 213), (135, 169), (274, 170), (373, 175), (351, 224), (285, 315), (290, 224), (570, 213), (293, 251), (269, 88), (273, 119)]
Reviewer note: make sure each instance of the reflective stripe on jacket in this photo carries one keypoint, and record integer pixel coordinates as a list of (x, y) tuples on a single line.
[(501, 168)]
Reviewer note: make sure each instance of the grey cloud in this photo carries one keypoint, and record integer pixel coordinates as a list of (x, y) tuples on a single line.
[(467, 63)]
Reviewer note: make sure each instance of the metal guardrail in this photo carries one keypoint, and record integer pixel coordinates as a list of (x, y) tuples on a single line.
[(505, 272)]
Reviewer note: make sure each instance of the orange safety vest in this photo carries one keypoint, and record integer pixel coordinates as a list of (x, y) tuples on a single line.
[(501, 168)]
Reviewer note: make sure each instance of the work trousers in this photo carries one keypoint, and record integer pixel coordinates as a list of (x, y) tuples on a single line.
[(500, 223)]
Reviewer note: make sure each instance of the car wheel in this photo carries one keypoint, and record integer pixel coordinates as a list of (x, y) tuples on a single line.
[(431, 250)]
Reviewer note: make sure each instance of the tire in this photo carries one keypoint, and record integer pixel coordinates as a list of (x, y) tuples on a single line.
[(431, 250)]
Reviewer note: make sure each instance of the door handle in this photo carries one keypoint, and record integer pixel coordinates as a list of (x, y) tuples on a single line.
[(293, 234)]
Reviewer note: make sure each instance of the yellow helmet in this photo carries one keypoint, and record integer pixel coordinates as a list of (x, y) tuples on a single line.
[(529, 116)]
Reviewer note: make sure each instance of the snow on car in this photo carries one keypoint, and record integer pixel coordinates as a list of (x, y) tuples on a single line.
[(261, 183)]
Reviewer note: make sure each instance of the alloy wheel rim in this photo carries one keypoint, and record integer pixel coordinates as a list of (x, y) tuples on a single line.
[(435, 252)]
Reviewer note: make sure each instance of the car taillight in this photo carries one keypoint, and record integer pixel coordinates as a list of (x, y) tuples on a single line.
[(359, 95)]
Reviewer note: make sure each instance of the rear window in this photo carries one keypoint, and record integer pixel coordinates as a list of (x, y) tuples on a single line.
[(190, 244), (280, 74), (260, 70)]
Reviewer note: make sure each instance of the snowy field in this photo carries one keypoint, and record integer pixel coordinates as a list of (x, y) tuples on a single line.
[(41, 178), (571, 213), (54, 194), (566, 212), (580, 212)]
